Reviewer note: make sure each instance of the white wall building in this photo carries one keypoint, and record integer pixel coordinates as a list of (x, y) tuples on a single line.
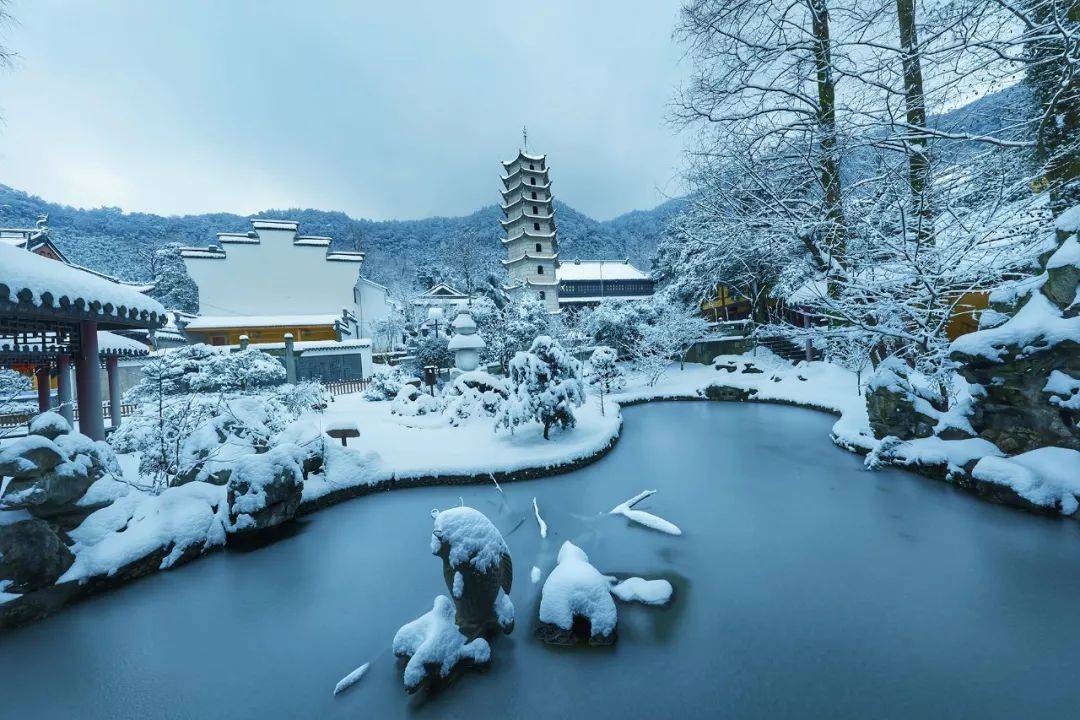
[(531, 242), (273, 270)]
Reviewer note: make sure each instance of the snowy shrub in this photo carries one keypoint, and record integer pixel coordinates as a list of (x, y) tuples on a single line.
[(384, 384), (13, 385), (604, 373), (199, 409), (411, 401), (545, 387), (432, 350), (509, 329), (473, 394)]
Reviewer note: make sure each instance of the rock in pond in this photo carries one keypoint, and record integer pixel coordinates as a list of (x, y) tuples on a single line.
[(32, 556)]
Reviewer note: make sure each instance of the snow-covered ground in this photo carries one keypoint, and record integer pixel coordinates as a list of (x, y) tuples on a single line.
[(428, 446)]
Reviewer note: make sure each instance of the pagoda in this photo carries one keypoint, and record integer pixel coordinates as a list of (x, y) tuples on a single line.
[(531, 242)]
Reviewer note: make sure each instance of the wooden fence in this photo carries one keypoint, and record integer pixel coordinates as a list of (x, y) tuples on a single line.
[(11, 420), (343, 387)]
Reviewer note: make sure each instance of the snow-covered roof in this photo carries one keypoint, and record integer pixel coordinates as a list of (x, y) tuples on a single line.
[(599, 270), (317, 346), (442, 290), (113, 344), (267, 224), (46, 282), (345, 256), (213, 322), (522, 154), (563, 300)]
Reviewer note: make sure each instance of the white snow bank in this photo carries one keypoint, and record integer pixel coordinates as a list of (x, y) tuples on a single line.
[(473, 540), (433, 639), (1048, 476), (640, 516), (1063, 389), (649, 592), (576, 588), (137, 524), (1037, 323)]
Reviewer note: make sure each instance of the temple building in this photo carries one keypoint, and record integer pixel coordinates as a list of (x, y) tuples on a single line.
[(589, 282), (531, 242), (272, 280)]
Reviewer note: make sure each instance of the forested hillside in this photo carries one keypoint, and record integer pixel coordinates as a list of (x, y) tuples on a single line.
[(113, 241)]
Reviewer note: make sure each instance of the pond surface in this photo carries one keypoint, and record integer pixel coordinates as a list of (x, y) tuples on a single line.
[(805, 587)]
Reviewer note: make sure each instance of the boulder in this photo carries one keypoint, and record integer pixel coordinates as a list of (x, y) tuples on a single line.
[(477, 569), (32, 556), (575, 603), (717, 391), (265, 489), (891, 404)]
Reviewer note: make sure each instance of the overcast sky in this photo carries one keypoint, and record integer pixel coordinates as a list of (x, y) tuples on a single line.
[(383, 109)]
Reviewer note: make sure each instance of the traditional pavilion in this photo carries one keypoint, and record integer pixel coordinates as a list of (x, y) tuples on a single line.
[(52, 315), (531, 242)]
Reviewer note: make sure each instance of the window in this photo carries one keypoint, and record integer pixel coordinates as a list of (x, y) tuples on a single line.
[(536, 210), (217, 340), (537, 247), (543, 295), (539, 269), (536, 226), (532, 181), (533, 195), (531, 166)]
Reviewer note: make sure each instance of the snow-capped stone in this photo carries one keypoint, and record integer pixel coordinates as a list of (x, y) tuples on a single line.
[(50, 425), (648, 592), (265, 489), (435, 646), (575, 590)]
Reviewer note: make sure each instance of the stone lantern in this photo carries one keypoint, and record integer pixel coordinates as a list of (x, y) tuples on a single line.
[(466, 344)]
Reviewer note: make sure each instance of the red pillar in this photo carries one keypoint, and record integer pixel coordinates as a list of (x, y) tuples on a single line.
[(111, 364), (43, 389), (88, 382), (63, 387)]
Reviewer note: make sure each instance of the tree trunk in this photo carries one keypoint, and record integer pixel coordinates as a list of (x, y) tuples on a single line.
[(915, 106), (828, 163)]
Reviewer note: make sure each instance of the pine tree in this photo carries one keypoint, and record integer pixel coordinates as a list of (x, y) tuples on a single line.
[(545, 387)]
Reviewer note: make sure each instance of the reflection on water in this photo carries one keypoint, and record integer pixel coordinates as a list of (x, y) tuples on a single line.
[(804, 587)]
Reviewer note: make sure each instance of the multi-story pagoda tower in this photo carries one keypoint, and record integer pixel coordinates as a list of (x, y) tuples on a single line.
[(531, 242)]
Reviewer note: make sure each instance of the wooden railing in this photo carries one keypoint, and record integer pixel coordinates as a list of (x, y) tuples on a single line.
[(343, 387), (11, 420)]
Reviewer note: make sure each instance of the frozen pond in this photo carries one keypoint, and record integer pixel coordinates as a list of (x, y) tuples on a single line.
[(805, 587)]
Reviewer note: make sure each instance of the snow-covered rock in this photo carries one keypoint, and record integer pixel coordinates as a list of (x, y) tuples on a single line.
[(576, 598), (1047, 477), (648, 592), (411, 401), (32, 556), (434, 646), (477, 569), (265, 490)]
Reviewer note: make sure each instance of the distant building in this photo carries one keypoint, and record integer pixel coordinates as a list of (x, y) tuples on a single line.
[(531, 242), (442, 295), (589, 282), (273, 271), (35, 239)]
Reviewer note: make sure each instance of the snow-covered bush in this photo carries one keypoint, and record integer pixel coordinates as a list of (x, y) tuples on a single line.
[(432, 349), (199, 409), (385, 383), (12, 386), (473, 394), (545, 387), (509, 329), (411, 401), (604, 373)]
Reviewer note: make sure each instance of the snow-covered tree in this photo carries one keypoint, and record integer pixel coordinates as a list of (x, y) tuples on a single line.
[(604, 373), (509, 329), (545, 387), (12, 385), (173, 287)]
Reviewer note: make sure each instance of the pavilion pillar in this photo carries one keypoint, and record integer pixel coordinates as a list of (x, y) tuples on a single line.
[(43, 388), (63, 387), (809, 342), (111, 367), (290, 360), (88, 382)]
